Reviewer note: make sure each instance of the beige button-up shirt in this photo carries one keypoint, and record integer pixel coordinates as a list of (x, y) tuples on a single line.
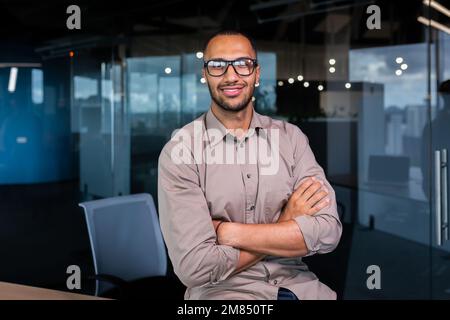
[(195, 186)]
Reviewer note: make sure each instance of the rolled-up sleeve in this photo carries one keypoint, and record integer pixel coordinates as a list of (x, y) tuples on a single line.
[(323, 230), (187, 227)]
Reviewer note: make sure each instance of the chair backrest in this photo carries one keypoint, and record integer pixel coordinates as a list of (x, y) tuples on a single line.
[(126, 239)]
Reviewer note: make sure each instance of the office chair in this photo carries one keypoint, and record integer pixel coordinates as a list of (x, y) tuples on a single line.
[(126, 243)]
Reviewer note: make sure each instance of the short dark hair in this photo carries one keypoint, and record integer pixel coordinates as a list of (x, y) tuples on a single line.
[(230, 33)]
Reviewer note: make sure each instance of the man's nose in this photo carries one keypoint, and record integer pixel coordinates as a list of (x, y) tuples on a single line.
[(230, 74)]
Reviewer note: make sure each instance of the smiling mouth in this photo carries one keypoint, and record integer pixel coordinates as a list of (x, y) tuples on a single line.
[(232, 91)]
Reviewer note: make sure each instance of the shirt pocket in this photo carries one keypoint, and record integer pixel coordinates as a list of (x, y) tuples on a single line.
[(276, 190), (274, 204)]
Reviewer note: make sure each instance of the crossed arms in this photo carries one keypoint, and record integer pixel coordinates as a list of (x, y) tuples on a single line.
[(282, 239), (307, 225)]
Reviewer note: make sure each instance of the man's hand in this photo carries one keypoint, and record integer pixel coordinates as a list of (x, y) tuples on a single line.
[(225, 234), (309, 198), (246, 258), (216, 223)]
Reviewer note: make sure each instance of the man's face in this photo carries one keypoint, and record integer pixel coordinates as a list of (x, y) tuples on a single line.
[(231, 91)]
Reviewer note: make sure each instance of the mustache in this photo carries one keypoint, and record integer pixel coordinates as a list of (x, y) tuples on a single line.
[(232, 84)]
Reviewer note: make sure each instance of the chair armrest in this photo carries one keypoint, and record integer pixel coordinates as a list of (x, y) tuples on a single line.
[(118, 283)]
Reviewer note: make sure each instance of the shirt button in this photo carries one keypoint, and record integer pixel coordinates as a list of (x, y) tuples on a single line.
[(249, 175), (275, 282), (252, 208)]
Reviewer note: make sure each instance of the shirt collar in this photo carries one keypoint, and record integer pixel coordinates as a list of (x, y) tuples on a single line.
[(213, 123)]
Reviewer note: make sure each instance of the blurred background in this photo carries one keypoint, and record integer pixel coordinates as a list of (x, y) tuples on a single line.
[(85, 113)]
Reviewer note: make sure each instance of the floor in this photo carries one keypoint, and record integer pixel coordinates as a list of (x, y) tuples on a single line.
[(42, 232)]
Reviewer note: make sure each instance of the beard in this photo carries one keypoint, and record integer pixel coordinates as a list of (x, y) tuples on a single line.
[(222, 103)]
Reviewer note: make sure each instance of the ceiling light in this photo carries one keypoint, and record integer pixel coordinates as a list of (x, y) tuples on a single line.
[(436, 5), (434, 24), (12, 79)]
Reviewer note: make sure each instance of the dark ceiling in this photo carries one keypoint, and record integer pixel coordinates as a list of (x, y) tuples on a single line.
[(39, 22)]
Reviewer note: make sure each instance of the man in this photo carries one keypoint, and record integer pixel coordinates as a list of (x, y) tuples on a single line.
[(232, 230)]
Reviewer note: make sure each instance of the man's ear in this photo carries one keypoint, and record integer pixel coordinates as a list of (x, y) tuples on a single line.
[(258, 73)]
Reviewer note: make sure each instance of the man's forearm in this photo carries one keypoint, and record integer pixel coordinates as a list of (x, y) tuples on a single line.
[(247, 259), (283, 239)]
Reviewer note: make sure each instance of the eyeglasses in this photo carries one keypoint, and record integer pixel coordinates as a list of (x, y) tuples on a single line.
[(243, 66)]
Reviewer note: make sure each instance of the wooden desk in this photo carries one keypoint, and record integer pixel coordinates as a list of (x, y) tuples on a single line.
[(12, 291)]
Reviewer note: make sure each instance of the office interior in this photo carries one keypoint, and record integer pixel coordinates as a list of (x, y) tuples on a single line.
[(85, 113)]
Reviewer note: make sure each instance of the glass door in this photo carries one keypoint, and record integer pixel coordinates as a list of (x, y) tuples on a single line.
[(368, 135), (439, 132), (390, 248), (99, 114)]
